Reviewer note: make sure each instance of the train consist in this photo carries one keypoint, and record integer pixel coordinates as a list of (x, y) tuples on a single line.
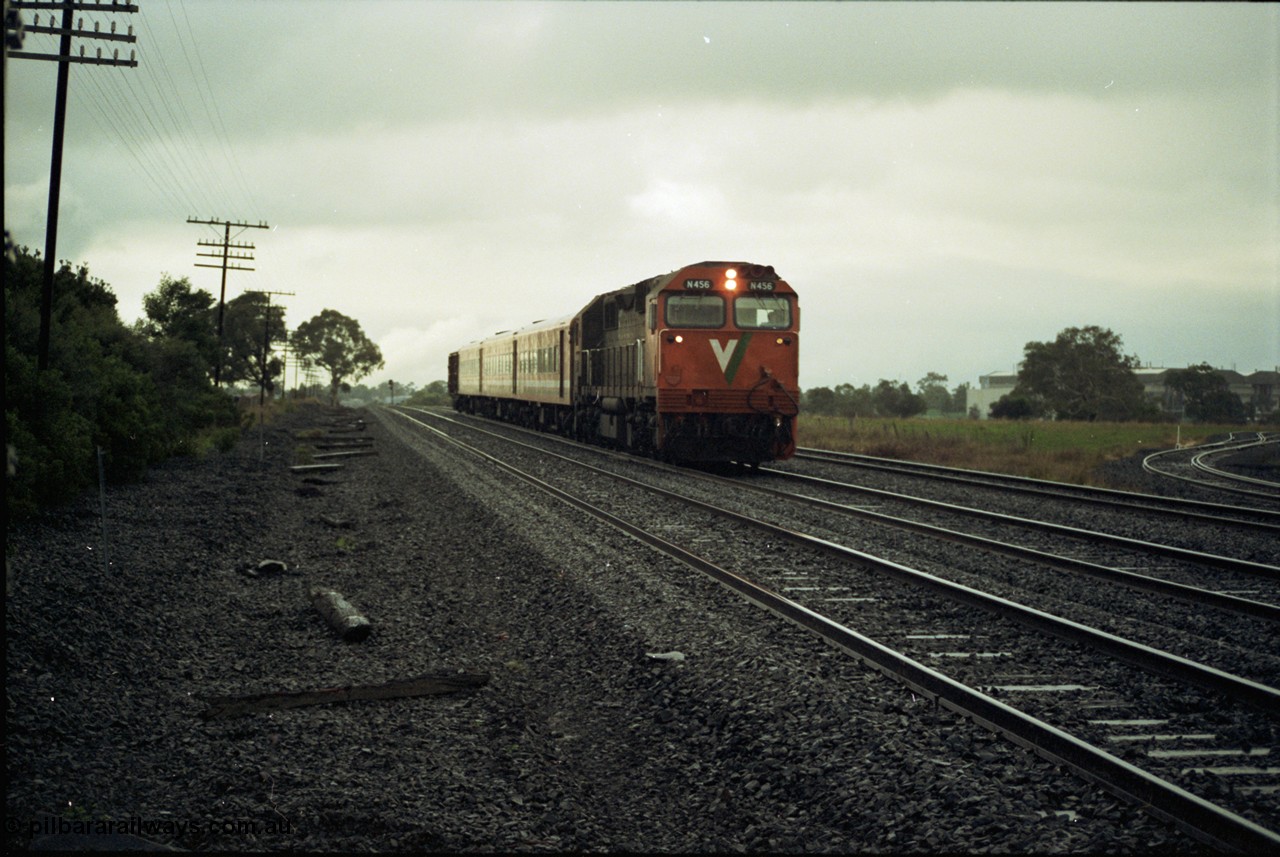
[(699, 365)]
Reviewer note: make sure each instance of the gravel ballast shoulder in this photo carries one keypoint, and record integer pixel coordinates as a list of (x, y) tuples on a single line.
[(753, 737)]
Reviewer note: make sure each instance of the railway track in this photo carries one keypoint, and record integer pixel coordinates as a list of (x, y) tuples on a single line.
[(1113, 542), (1199, 465), (1098, 714), (1247, 588), (1208, 511)]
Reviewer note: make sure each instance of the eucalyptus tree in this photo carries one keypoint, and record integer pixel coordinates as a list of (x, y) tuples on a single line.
[(250, 326), (338, 345), (1083, 375)]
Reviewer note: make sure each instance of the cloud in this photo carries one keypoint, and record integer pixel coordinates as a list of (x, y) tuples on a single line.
[(942, 182), (403, 62), (679, 205)]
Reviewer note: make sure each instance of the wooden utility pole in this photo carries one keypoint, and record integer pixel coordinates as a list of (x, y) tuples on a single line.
[(64, 59), (228, 258), (288, 349), (266, 341)]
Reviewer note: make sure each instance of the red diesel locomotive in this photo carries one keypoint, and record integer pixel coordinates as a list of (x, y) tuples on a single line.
[(698, 365)]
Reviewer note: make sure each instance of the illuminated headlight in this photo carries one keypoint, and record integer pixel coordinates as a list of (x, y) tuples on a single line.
[(731, 279)]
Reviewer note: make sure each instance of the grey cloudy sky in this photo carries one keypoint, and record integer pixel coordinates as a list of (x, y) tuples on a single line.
[(941, 183)]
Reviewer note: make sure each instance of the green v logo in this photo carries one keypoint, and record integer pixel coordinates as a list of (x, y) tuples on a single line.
[(729, 355)]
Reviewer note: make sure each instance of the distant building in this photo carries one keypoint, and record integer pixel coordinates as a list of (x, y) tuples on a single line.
[(989, 390), (1261, 389)]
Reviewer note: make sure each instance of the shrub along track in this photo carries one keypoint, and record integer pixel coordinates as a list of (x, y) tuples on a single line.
[(761, 738)]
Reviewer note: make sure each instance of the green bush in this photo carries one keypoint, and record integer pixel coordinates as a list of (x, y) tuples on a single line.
[(138, 396)]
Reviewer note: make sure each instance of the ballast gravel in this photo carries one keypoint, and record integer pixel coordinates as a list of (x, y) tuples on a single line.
[(631, 704)]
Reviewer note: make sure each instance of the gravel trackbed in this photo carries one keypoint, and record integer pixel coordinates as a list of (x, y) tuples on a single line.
[(747, 735)]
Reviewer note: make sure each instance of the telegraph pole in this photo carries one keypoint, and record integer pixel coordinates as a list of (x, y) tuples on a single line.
[(266, 342), (64, 59), (227, 259), (288, 349)]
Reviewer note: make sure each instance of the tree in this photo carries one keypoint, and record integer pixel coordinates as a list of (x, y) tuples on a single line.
[(1206, 395), (853, 402), (108, 387), (933, 388), (178, 311), (819, 400), (1082, 375), (435, 393), (1011, 407), (336, 343), (251, 323), (180, 328), (181, 321), (896, 400)]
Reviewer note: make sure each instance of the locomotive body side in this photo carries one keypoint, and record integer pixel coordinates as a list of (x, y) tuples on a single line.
[(614, 397)]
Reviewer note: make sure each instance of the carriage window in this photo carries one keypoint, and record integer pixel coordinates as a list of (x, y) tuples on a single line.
[(695, 311), (762, 312)]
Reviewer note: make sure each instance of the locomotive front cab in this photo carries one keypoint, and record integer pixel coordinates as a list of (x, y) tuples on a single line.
[(727, 340)]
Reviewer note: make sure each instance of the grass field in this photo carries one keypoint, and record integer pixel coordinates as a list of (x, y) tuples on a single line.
[(1061, 451)]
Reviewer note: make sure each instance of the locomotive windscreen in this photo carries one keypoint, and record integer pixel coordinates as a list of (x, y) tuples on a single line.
[(762, 312), (695, 311)]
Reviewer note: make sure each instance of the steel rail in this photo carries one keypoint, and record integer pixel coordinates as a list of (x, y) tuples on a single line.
[(1234, 489), (1134, 580), (1186, 554), (1197, 817), (1201, 462), (1215, 513), (1246, 690)]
